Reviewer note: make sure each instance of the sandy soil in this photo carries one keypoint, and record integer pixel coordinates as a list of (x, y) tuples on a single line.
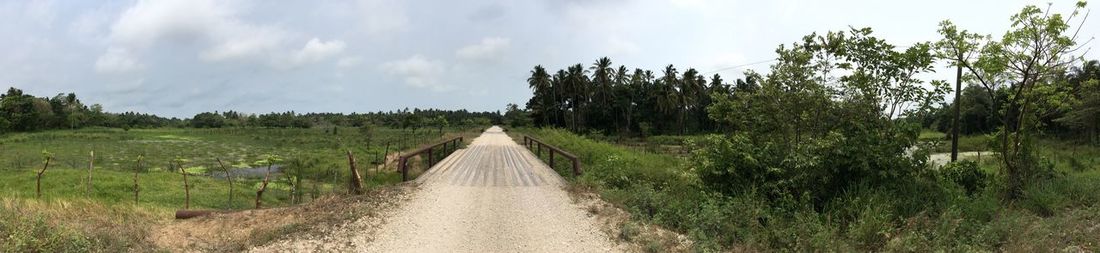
[(493, 196)]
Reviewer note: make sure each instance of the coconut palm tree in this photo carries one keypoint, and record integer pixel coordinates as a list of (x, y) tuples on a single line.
[(668, 97), (602, 84), (543, 97)]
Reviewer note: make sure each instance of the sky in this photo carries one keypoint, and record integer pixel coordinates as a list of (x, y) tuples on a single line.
[(181, 57)]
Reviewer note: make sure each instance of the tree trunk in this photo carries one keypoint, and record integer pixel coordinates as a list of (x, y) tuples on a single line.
[(955, 119), (38, 179)]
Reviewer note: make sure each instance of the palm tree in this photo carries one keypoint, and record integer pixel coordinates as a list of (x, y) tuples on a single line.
[(623, 98), (602, 74), (559, 85), (689, 87), (668, 97), (540, 83), (578, 93)]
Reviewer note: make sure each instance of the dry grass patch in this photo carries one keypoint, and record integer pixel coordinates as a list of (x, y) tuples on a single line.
[(638, 235), (238, 231)]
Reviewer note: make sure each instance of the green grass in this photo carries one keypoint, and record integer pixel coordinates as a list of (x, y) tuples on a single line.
[(967, 143), (925, 215), (68, 218)]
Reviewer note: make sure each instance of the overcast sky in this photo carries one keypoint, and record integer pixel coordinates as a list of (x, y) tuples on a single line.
[(181, 57)]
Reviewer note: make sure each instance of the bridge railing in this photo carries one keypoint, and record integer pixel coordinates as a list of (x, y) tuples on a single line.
[(403, 161), (537, 146)]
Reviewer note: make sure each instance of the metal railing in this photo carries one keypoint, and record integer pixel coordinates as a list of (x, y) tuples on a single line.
[(403, 160), (536, 145)]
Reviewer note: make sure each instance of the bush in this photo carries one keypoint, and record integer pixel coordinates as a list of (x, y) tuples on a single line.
[(966, 174)]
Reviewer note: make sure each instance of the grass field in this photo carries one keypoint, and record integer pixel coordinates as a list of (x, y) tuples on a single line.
[(69, 218)]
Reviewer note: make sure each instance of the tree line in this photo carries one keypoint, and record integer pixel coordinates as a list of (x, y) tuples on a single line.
[(21, 112), (405, 118), (619, 100)]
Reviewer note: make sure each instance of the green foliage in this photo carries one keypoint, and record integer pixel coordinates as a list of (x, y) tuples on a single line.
[(966, 174), (515, 117), (921, 214)]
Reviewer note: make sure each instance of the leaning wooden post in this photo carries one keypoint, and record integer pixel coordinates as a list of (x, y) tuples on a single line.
[(186, 186), (91, 164), (38, 180), (355, 185), (228, 177)]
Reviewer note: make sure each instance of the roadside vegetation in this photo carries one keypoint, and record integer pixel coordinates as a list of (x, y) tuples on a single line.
[(829, 150)]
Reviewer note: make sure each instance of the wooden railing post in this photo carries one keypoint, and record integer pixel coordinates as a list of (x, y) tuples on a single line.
[(430, 157), (576, 167), (551, 159), (539, 152), (404, 169)]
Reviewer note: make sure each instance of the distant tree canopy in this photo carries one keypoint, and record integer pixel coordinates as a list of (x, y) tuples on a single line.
[(620, 100), (21, 112), (415, 118)]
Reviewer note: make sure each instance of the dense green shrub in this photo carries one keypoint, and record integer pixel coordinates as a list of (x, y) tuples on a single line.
[(966, 174)]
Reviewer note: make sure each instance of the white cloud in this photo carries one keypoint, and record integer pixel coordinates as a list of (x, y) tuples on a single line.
[(381, 17), (213, 25), (417, 71), (489, 49), (316, 50), (116, 60), (41, 11), (618, 46), (90, 26), (348, 62), (247, 42)]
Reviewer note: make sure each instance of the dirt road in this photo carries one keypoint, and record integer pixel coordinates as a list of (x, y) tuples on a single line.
[(940, 159), (493, 196)]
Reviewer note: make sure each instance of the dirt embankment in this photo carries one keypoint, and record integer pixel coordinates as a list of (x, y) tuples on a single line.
[(236, 231)]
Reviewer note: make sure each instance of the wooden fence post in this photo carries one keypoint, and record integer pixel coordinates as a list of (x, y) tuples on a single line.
[(91, 164), (430, 157), (228, 177), (551, 159), (186, 186), (263, 186), (401, 165), (38, 180), (137, 187), (355, 185)]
